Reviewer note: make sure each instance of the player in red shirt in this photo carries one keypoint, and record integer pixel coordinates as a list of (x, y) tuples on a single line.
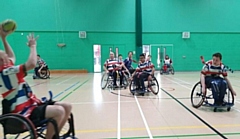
[(17, 93)]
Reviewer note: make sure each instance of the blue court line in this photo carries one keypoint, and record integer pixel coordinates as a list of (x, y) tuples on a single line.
[(66, 90)]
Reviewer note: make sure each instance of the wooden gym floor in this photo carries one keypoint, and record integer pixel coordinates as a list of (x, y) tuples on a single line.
[(101, 114)]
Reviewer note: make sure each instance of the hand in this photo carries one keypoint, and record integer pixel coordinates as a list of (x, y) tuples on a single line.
[(31, 40), (107, 71), (234, 93), (39, 71), (130, 79), (4, 58), (3, 34)]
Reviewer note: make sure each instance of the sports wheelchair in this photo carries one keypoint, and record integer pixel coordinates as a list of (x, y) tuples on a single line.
[(17, 126), (107, 80), (150, 86), (166, 69), (45, 73), (199, 99)]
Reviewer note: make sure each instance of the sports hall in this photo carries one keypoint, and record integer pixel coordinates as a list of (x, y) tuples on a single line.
[(78, 37)]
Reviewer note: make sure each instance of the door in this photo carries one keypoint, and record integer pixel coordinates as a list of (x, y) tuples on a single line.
[(105, 51), (159, 52)]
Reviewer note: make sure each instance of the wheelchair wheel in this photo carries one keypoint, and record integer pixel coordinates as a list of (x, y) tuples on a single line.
[(104, 80), (172, 70), (161, 71), (132, 87), (44, 74), (229, 98), (153, 86), (125, 81), (197, 96), (17, 126)]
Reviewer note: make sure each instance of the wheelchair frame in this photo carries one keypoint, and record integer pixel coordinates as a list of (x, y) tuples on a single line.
[(204, 98), (45, 73), (167, 71), (109, 81), (12, 122), (149, 85)]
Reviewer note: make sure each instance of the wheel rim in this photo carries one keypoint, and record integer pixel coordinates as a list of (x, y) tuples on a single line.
[(197, 96), (229, 98), (153, 86), (104, 81), (132, 87)]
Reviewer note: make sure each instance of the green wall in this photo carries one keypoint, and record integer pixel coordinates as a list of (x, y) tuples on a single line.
[(204, 44), (78, 54), (191, 15), (214, 27), (73, 15)]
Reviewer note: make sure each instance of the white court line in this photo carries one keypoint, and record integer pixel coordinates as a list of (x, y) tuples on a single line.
[(119, 118), (182, 81), (109, 102), (178, 83), (66, 80), (236, 109), (144, 119)]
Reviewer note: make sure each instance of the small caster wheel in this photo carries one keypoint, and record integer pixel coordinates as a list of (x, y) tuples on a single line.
[(229, 108), (215, 109)]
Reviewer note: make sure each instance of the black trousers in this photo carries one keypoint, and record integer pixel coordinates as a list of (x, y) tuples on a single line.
[(139, 80), (114, 75)]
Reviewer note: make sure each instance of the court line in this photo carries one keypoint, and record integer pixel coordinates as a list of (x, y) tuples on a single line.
[(157, 128), (195, 114), (46, 80), (74, 90), (65, 90), (41, 83), (110, 102), (180, 136), (119, 119), (144, 119), (66, 80)]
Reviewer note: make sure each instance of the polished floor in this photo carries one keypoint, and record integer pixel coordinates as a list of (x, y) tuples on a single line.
[(103, 114)]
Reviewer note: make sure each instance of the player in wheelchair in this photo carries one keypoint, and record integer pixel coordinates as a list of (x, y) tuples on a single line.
[(113, 71), (167, 67), (41, 71), (210, 79), (22, 110), (128, 62), (144, 73)]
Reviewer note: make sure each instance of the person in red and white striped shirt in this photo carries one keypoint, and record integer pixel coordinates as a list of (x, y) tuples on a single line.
[(18, 96), (211, 78), (144, 70), (111, 67)]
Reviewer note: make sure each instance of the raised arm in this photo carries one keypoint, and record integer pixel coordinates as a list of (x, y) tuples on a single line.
[(202, 78), (32, 59)]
